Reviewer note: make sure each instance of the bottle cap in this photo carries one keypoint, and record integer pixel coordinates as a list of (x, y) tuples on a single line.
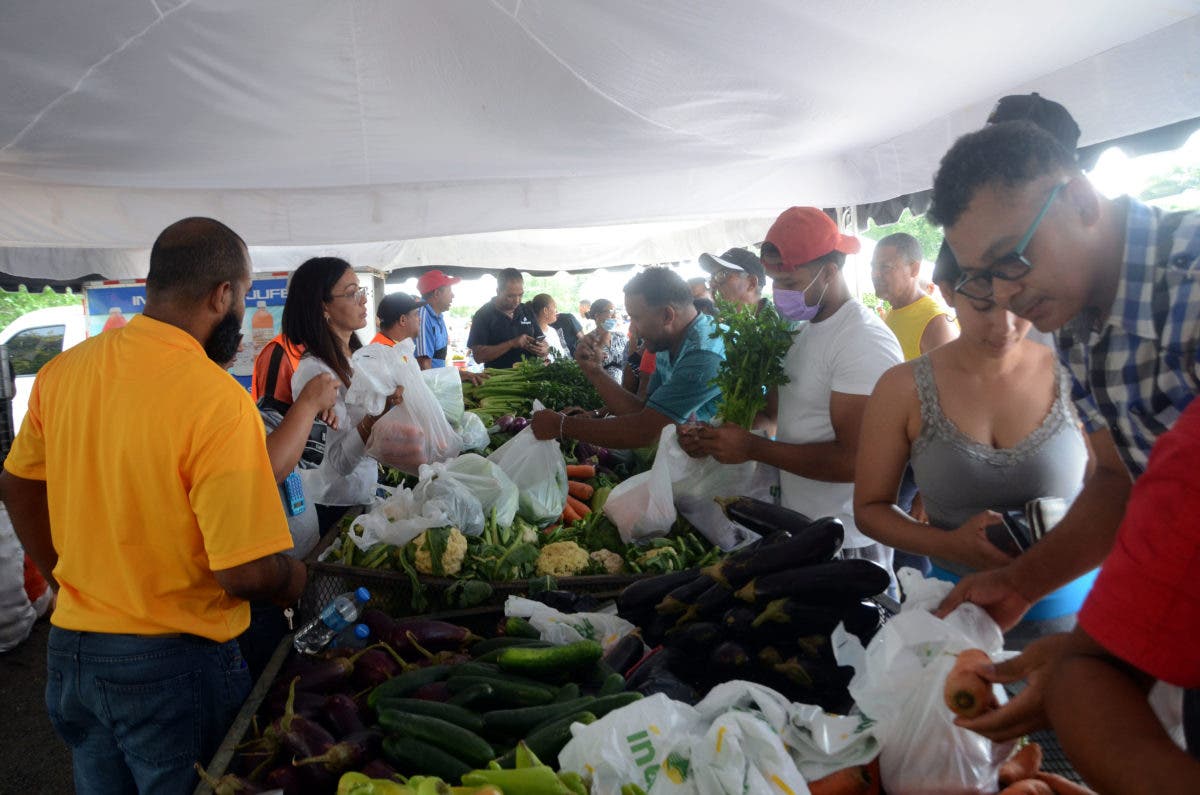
[(362, 631), (362, 594), (262, 304)]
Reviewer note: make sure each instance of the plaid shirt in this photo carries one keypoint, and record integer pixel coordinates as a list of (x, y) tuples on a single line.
[(1137, 371)]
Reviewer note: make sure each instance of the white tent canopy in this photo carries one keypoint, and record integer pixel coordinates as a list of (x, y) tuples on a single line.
[(407, 132)]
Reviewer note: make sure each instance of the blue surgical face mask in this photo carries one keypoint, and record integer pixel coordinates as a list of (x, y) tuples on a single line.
[(609, 324), (792, 304)]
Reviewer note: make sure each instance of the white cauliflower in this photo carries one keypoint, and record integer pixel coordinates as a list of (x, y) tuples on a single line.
[(452, 556), (562, 559), (612, 562)]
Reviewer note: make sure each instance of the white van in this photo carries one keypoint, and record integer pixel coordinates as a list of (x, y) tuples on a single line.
[(34, 339)]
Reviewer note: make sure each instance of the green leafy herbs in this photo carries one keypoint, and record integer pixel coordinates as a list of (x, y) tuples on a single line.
[(557, 385), (756, 341)]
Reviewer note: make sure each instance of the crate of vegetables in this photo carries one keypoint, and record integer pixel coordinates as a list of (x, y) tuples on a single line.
[(437, 696)]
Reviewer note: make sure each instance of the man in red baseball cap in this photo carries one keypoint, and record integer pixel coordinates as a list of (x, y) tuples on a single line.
[(434, 288), (833, 364)]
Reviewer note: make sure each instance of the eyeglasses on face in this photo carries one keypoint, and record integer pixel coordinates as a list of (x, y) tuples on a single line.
[(724, 275), (357, 294), (1009, 267)]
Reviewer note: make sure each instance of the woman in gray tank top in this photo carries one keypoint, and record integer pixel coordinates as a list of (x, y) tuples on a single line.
[(987, 423)]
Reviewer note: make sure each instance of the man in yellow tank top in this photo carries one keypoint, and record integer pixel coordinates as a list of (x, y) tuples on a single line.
[(919, 322)]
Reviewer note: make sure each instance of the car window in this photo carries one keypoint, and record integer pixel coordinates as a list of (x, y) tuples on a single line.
[(28, 350)]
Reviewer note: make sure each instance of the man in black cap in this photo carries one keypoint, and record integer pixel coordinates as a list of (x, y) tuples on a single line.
[(399, 316), (737, 276)]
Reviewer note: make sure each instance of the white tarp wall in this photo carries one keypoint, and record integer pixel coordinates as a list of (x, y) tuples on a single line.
[(333, 122)]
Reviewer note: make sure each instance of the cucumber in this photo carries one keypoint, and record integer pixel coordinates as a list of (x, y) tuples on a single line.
[(405, 684), (410, 756), (479, 670), (547, 740), (453, 739), (614, 683), (459, 716), (543, 663), (480, 691), (517, 627), (606, 704), (567, 692), (491, 644), (490, 656), (519, 722), (505, 692)]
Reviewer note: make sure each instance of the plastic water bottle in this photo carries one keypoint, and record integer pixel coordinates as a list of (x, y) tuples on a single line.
[(336, 616), (352, 637)]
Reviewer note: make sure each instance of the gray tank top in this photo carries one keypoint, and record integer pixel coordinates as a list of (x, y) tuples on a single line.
[(958, 477)]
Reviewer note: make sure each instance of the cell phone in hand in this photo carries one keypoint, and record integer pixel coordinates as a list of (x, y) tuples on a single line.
[(1010, 535)]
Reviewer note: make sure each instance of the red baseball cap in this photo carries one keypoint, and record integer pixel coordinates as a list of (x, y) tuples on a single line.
[(803, 234), (432, 280)]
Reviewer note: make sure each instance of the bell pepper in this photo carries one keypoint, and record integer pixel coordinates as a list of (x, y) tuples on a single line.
[(359, 784), (527, 781)]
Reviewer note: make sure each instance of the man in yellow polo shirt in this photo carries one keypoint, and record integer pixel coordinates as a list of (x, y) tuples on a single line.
[(919, 322), (140, 485)]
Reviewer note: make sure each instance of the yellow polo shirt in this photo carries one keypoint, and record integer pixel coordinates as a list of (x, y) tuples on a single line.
[(156, 474), (908, 323)]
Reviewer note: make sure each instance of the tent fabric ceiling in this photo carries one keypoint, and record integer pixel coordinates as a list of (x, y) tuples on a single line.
[(318, 123)]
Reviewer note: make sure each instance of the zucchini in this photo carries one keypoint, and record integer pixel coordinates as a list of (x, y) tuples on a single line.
[(816, 543), (517, 627), (412, 757), (491, 644), (505, 692), (553, 661), (519, 722), (459, 716), (764, 518), (403, 685), (451, 738), (834, 583), (480, 691), (547, 740)]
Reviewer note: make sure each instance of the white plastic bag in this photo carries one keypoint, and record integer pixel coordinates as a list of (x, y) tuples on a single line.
[(482, 478), (641, 507), (898, 683), (539, 472), (397, 441), (629, 745), (397, 520), (562, 628), (17, 615), (474, 433), (451, 497), (446, 385), (696, 483)]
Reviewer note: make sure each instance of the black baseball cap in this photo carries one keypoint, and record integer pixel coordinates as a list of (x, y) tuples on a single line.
[(1045, 113), (735, 259), (395, 306)]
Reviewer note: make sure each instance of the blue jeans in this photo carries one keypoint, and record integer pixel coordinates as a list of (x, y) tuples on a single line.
[(139, 711)]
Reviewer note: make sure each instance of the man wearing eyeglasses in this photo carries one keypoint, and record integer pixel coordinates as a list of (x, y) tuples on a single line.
[(1115, 281), (737, 276)]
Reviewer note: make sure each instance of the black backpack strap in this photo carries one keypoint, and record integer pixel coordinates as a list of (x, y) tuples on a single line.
[(273, 370)]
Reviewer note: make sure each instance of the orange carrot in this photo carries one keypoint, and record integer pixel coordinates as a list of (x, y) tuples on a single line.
[(569, 514), (967, 693), (577, 506), (1021, 765), (581, 491), (1030, 786), (581, 471), (847, 781)]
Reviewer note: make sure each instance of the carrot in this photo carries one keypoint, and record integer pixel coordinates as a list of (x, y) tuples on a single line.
[(1063, 786), (1022, 765), (967, 693), (847, 781), (581, 471), (569, 514), (581, 491), (579, 507), (1030, 786)]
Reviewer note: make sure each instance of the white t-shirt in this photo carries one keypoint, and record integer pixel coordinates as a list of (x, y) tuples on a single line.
[(845, 353)]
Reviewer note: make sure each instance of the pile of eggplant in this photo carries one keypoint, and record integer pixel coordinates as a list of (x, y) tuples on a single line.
[(764, 614)]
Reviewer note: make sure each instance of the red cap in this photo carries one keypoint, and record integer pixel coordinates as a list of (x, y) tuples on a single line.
[(432, 280), (803, 234)]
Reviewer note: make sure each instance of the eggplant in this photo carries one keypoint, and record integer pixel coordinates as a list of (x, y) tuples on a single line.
[(377, 768), (331, 672), (671, 686), (228, 784), (429, 633), (728, 660), (695, 639), (342, 715), (738, 620), (818, 542), (287, 778), (658, 660), (863, 619), (641, 596), (625, 653), (837, 582), (348, 754), (306, 704), (764, 518), (714, 600), (790, 617), (682, 597), (374, 667), (655, 630), (567, 601)]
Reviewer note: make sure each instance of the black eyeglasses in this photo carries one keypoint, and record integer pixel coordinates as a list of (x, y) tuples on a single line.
[(1009, 267)]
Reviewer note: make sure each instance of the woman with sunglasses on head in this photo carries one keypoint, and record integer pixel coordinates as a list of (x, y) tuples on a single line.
[(988, 425), (325, 306)]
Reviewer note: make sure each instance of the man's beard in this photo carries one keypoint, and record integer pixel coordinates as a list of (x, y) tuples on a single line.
[(222, 344)]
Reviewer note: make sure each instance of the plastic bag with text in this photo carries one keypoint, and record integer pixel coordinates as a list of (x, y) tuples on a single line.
[(446, 386), (539, 472), (562, 628), (481, 478), (898, 683), (641, 507)]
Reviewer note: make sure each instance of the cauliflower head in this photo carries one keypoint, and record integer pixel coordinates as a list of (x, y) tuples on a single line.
[(562, 559), (611, 561), (451, 557)]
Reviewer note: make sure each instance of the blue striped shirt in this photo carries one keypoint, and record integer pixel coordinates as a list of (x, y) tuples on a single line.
[(1136, 371), (433, 337)]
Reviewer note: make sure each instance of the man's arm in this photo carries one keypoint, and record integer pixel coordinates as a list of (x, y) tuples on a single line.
[(286, 443), (1078, 544), (937, 333), (274, 578), (1097, 703), (425, 362), (622, 432), (29, 511)]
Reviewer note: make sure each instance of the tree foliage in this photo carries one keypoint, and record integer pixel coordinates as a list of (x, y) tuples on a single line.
[(13, 305)]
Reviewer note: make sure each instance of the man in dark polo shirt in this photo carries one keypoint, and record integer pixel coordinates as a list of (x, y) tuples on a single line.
[(502, 332)]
